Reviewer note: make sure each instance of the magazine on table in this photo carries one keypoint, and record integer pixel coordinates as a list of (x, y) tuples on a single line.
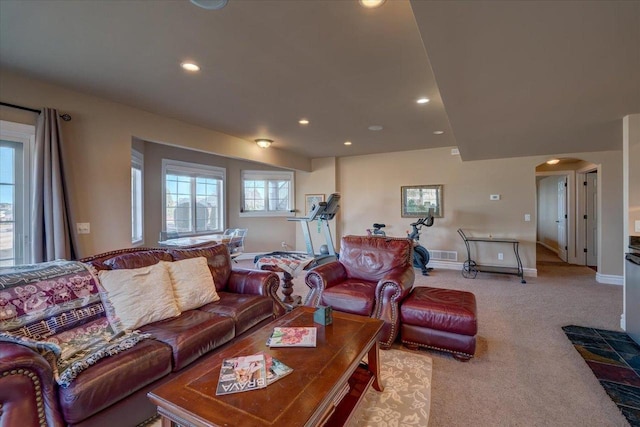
[(293, 337), (275, 369), (242, 373)]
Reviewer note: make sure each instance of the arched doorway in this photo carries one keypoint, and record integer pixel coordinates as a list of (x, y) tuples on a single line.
[(567, 222)]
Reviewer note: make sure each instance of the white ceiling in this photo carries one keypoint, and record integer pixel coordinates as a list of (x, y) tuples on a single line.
[(505, 79)]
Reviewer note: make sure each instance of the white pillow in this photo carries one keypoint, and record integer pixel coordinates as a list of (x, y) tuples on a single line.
[(140, 295), (192, 283)]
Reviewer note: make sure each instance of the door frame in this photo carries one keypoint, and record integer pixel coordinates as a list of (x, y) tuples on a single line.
[(581, 204), (572, 257)]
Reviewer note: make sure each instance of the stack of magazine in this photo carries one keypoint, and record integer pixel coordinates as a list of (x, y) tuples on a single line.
[(246, 373)]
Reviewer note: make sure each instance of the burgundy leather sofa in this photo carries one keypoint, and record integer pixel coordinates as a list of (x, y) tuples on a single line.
[(113, 392), (371, 278)]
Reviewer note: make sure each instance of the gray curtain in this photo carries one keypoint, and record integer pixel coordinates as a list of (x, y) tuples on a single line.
[(50, 229)]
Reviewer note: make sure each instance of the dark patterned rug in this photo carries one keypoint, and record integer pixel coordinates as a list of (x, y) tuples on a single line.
[(614, 359)]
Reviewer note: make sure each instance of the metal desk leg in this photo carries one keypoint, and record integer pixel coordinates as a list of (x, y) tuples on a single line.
[(520, 268)]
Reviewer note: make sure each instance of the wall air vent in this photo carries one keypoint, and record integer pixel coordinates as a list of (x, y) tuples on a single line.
[(435, 254)]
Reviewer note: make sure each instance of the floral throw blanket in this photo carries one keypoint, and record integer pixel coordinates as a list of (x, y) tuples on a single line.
[(56, 308)]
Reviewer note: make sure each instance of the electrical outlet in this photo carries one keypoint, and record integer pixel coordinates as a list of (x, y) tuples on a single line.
[(527, 217), (83, 228), (284, 244), (637, 226), (500, 256)]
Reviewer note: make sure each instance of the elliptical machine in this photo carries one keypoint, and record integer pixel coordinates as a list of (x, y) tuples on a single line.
[(420, 253)]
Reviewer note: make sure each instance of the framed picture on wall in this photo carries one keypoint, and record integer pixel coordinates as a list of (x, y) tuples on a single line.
[(417, 200), (310, 200)]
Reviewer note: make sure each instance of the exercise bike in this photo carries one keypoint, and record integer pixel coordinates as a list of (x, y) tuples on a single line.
[(377, 230), (420, 253)]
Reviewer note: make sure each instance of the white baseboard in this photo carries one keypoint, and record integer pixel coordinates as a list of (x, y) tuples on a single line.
[(610, 279), (555, 251), (449, 265)]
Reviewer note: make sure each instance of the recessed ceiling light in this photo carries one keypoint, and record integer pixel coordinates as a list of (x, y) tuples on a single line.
[(438, 132), (264, 143), (553, 161), (422, 100), (190, 66), (375, 128), (210, 4), (371, 3), (303, 121), (347, 143)]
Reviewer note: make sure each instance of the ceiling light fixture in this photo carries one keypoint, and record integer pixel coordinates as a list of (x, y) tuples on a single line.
[(553, 161), (370, 4), (190, 66), (210, 4), (347, 143), (264, 143), (375, 128), (303, 121), (438, 132), (423, 100)]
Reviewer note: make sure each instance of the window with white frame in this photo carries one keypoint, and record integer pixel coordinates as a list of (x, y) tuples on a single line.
[(16, 145), (267, 192), (137, 197), (193, 198)]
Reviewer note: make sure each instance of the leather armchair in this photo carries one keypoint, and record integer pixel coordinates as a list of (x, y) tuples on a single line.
[(371, 278)]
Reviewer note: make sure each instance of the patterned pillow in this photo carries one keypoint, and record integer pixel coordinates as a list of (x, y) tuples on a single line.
[(56, 309)]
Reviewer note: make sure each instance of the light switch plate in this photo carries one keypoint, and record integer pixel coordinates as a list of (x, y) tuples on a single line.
[(637, 226), (494, 197), (83, 228)]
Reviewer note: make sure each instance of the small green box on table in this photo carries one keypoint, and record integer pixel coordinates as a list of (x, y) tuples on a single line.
[(323, 315)]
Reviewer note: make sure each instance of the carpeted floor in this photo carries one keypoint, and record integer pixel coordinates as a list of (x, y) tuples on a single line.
[(614, 359)]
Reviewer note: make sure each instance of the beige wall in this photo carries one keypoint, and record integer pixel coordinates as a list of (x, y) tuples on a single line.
[(634, 172), (98, 147), (370, 189)]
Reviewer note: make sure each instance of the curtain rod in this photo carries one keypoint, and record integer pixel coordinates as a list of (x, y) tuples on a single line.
[(64, 117)]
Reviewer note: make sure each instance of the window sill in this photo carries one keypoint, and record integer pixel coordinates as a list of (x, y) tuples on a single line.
[(266, 214)]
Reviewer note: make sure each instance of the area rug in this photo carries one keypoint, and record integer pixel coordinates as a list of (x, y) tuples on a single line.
[(405, 400), (614, 359)]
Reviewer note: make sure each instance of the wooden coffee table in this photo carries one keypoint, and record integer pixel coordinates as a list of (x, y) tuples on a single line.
[(310, 396)]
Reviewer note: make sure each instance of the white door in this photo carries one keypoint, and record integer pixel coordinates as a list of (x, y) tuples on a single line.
[(562, 218), (592, 218)]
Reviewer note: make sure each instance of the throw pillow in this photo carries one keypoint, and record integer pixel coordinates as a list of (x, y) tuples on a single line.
[(192, 283), (140, 295)]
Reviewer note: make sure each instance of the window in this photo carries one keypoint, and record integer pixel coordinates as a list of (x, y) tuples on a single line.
[(16, 143), (193, 198), (137, 198), (267, 192)]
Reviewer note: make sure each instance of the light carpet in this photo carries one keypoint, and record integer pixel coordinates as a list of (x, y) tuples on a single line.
[(406, 377)]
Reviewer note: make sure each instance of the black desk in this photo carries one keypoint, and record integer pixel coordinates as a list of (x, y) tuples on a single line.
[(470, 268)]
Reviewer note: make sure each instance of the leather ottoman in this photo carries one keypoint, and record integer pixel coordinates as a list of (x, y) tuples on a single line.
[(441, 319)]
